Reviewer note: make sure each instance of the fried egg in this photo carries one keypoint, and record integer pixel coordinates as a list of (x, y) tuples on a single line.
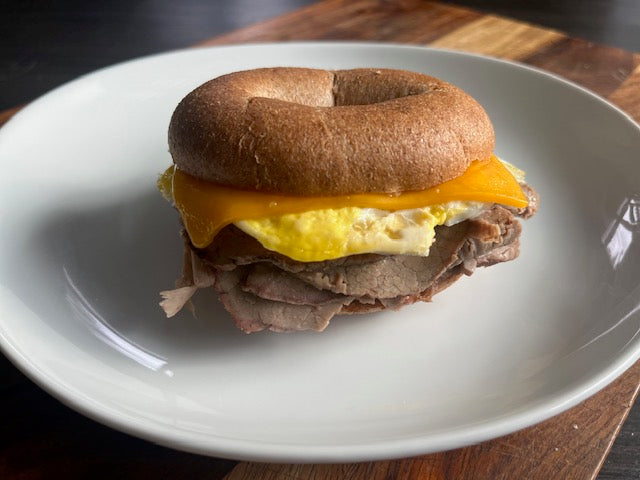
[(327, 234), (333, 233)]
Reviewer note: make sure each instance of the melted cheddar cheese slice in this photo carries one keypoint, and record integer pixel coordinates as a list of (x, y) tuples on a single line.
[(206, 208)]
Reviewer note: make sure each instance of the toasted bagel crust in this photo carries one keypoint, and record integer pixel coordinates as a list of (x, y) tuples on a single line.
[(318, 132)]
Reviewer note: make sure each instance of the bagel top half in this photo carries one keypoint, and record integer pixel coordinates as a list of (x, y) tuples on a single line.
[(303, 131)]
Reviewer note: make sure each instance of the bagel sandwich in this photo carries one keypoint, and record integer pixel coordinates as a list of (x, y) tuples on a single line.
[(307, 193)]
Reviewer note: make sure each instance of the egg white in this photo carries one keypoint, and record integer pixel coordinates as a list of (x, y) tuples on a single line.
[(333, 233)]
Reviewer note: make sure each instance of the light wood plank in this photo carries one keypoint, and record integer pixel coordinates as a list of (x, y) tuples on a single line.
[(498, 37), (627, 95)]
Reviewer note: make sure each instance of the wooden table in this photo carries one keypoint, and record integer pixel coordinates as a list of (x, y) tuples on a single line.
[(41, 439)]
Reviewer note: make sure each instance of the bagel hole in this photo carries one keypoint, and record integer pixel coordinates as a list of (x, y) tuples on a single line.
[(352, 95), (348, 97), (370, 87)]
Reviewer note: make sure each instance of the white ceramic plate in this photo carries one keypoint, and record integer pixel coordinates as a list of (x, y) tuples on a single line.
[(87, 243)]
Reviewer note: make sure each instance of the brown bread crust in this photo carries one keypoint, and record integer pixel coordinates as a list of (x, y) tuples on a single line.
[(318, 132)]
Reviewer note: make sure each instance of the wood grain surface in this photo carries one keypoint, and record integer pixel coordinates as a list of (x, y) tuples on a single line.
[(571, 445)]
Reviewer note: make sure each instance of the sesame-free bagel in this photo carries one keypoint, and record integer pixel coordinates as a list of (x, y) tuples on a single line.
[(320, 132)]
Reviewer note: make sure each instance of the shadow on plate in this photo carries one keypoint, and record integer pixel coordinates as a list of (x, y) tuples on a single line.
[(106, 266)]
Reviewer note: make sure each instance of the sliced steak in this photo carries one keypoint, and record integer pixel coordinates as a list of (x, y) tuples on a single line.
[(252, 313), (272, 283), (263, 289)]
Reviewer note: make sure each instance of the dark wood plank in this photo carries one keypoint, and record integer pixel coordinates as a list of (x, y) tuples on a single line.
[(597, 67), (7, 114), (607, 22), (627, 95), (408, 21)]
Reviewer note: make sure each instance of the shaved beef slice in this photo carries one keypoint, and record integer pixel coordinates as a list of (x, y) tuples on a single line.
[(263, 289), (252, 313), (270, 282)]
